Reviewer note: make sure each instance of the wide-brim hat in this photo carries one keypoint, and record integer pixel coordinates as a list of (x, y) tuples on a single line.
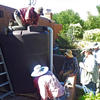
[(96, 45), (88, 49), (69, 53), (39, 70)]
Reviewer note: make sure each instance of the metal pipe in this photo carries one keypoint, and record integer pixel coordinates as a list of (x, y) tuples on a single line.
[(50, 30), (30, 2)]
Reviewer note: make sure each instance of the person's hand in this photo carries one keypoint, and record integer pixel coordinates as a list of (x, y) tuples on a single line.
[(72, 75), (67, 73)]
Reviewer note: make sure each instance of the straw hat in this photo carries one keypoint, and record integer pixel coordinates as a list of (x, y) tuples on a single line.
[(69, 53), (39, 70)]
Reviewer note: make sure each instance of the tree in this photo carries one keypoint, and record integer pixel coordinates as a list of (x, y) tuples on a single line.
[(92, 22), (66, 18), (98, 8), (76, 30)]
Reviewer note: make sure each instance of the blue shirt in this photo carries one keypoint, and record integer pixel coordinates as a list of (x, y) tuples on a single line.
[(71, 64)]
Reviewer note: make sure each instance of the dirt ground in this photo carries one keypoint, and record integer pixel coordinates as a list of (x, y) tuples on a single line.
[(22, 97), (18, 98)]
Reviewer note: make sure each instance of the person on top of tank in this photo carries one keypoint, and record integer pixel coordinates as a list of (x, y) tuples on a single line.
[(25, 17)]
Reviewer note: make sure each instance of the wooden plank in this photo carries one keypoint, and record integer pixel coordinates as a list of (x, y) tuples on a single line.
[(70, 85)]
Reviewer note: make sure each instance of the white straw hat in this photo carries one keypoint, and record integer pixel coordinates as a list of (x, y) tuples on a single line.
[(39, 70), (88, 49)]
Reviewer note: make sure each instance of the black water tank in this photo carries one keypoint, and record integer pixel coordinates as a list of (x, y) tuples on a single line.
[(22, 50)]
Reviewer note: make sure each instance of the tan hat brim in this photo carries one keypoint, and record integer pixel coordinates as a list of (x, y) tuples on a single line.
[(70, 55)]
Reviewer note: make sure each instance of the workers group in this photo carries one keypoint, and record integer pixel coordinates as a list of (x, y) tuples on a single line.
[(87, 73)]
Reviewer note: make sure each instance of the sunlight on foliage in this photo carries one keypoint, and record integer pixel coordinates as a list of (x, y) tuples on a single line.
[(90, 96)]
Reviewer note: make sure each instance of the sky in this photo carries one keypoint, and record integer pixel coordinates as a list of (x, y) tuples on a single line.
[(56, 6)]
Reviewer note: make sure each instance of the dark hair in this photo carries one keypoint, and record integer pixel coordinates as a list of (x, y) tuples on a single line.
[(90, 51)]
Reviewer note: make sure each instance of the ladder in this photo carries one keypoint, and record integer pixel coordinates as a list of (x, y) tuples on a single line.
[(5, 83)]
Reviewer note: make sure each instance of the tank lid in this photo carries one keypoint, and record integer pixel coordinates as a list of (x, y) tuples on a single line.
[(37, 28)]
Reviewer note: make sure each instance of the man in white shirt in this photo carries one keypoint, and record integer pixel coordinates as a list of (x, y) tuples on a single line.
[(89, 71)]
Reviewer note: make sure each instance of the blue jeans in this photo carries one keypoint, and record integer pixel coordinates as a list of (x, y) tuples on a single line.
[(61, 98), (92, 87), (66, 94)]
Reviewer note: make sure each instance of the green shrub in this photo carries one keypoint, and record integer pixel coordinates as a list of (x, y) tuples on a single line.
[(90, 96), (66, 18), (76, 30), (92, 35), (65, 41)]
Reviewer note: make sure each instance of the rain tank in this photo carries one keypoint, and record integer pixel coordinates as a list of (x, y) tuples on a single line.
[(22, 50)]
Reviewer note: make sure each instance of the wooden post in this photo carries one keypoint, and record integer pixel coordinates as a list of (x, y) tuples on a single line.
[(70, 84)]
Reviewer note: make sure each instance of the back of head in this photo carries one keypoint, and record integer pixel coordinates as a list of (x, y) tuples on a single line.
[(68, 53), (96, 45)]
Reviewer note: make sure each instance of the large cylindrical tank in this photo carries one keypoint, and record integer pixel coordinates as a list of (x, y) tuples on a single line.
[(23, 50)]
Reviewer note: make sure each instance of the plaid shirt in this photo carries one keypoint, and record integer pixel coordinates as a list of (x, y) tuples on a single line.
[(49, 86), (29, 16)]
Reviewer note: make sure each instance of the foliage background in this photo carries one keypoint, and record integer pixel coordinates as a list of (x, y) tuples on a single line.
[(67, 37)]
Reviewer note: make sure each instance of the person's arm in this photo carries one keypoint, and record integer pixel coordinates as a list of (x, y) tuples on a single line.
[(67, 73), (89, 65), (42, 88), (62, 69), (76, 66)]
